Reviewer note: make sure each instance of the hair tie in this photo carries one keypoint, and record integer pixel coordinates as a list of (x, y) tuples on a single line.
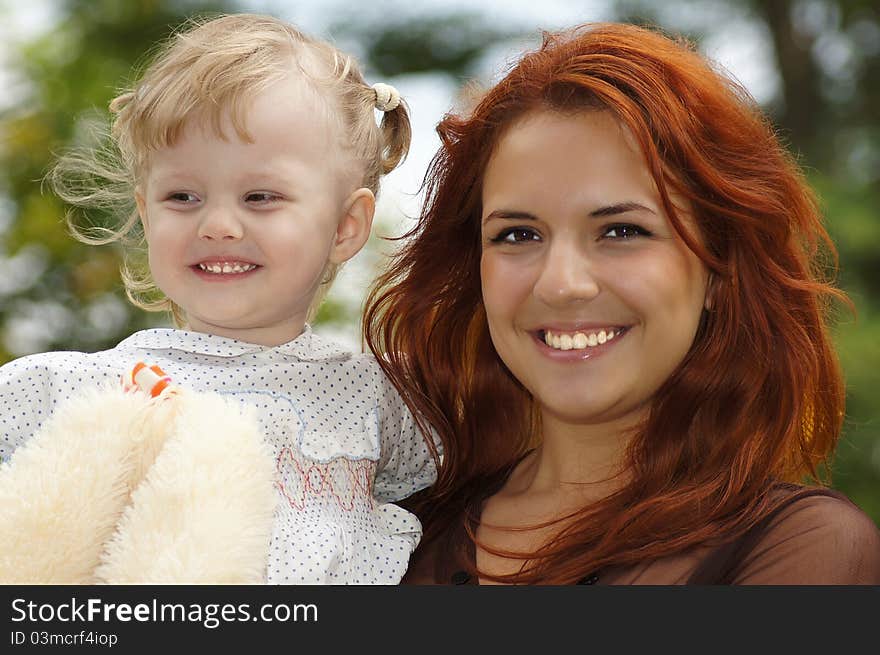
[(387, 97), (149, 379)]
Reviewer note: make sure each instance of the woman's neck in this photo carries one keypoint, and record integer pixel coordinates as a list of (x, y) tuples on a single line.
[(582, 461)]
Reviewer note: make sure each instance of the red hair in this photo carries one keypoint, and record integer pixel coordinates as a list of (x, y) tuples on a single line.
[(759, 397)]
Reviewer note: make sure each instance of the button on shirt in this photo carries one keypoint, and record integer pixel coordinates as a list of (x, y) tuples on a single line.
[(345, 444)]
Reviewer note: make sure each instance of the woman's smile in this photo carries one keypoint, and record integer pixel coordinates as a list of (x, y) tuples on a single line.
[(577, 344)]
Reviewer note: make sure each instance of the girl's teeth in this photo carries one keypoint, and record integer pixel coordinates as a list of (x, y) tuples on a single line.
[(579, 340), (227, 268)]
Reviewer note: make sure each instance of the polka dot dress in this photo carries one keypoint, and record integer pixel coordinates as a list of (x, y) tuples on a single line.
[(345, 445)]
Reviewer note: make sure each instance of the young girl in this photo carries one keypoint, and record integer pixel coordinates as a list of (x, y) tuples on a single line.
[(251, 157)]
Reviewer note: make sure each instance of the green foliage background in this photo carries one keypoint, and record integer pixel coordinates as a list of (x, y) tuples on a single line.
[(62, 295)]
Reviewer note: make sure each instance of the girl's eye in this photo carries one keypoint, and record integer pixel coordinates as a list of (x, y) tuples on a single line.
[(260, 197), (183, 196), (624, 231), (515, 235)]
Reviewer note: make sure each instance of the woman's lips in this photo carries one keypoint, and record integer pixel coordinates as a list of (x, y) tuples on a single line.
[(576, 345)]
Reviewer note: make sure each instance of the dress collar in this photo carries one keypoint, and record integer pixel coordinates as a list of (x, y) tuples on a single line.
[(308, 346)]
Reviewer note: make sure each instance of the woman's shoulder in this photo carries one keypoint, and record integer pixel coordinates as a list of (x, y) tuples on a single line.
[(820, 510), (813, 536)]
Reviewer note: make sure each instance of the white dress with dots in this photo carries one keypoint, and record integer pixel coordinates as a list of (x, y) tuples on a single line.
[(345, 444)]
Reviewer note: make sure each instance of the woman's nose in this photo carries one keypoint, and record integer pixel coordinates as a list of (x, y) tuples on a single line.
[(566, 275)]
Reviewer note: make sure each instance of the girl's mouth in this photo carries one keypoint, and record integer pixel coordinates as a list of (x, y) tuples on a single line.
[(225, 267)]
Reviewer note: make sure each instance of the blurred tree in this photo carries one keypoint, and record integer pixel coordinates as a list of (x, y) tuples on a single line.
[(450, 43), (827, 53), (57, 293)]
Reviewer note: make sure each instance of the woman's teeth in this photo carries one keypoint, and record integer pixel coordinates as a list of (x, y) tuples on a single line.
[(227, 267), (579, 340)]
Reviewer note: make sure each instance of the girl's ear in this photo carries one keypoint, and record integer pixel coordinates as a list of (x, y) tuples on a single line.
[(354, 226)]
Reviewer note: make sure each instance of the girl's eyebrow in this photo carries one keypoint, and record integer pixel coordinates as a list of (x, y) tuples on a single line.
[(168, 176), (608, 210)]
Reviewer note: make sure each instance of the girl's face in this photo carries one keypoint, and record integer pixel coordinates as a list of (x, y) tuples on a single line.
[(240, 232), (592, 299)]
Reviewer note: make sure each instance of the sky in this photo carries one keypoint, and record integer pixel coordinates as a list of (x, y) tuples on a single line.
[(736, 43)]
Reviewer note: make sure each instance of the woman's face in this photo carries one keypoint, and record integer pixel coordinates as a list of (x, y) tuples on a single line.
[(592, 298)]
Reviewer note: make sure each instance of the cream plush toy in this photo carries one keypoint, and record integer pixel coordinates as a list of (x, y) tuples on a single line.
[(139, 483)]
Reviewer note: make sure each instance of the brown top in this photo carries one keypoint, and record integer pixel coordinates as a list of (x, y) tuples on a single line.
[(815, 537)]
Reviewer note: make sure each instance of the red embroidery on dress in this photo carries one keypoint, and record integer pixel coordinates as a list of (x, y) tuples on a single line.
[(316, 479)]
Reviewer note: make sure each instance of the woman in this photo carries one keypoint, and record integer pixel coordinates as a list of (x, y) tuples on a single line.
[(613, 314)]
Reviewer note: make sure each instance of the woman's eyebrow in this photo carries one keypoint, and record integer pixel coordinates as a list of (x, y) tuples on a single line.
[(510, 215), (620, 208), (608, 210)]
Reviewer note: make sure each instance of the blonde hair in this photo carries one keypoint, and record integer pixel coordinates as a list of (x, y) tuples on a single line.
[(207, 69)]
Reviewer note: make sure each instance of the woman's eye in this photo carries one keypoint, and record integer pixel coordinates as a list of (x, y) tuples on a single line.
[(515, 235), (624, 231)]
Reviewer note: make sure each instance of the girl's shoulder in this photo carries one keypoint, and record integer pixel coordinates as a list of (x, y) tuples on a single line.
[(813, 535), (49, 364), (64, 361)]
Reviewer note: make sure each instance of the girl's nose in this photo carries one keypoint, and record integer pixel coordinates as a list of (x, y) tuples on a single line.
[(220, 224)]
